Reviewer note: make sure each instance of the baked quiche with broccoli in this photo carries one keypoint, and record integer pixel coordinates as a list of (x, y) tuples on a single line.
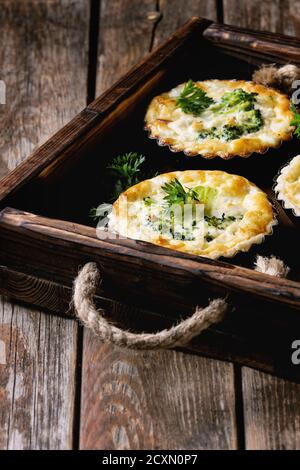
[(202, 212), (220, 118)]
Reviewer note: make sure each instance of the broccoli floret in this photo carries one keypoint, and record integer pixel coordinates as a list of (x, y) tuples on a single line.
[(208, 133), (221, 222), (232, 132), (237, 98), (253, 123), (254, 120), (241, 101)]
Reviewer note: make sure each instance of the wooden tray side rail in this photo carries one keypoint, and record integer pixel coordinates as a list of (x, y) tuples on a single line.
[(265, 46), (64, 246)]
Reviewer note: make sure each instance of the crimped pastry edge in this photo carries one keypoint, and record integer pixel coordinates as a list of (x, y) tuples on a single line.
[(224, 155), (243, 246), (279, 195)]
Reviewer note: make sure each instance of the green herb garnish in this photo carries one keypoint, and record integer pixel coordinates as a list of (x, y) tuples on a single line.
[(177, 194), (221, 222), (127, 167), (126, 170), (296, 120), (193, 100)]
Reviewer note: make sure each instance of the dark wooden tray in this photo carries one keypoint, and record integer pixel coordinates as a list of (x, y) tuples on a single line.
[(46, 232)]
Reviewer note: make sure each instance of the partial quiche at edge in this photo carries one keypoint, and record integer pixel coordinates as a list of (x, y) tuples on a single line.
[(236, 214), (288, 185), (220, 118)]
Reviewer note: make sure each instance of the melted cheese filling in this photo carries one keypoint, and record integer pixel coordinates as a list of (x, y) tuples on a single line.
[(235, 217), (181, 130), (288, 185), (209, 118)]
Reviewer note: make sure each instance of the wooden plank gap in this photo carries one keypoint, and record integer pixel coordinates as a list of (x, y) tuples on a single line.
[(155, 16), (239, 407), (220, 11), (78, 388), (95, 8)]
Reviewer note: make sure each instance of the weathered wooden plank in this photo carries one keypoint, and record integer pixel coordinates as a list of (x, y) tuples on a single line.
[(126, 29), (153, 400), (271, 405), (272, 412), (278, 16), (37, 366), (175, 12), (44, 65)]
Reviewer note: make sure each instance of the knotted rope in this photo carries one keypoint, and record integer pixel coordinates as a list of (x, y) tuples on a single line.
[(277, 77), (85, 286)]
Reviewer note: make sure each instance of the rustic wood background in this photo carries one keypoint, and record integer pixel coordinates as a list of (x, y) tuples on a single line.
[(60, 388)]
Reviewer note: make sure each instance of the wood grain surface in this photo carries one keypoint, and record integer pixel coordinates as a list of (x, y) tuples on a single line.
[(173, 13), (153, 400), (271, 411), (125, 36), (271, 405), (129, 400), (44, 66), (277, 16), (37, 386)]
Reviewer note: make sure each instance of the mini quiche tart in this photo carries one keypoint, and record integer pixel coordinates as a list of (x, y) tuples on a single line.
[(288, 185), (220, 118), (202, 212)]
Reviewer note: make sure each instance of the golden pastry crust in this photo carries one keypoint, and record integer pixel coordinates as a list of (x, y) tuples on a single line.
[(167, 123), (235, 195), (288, 185)]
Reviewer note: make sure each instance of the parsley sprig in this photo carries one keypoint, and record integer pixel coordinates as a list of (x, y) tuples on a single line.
[(127, 167), (126, 171), (193, 100), (178, 194), (295, 121)]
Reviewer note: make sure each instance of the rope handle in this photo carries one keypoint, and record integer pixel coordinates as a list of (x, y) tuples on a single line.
[(85, 286), (282, 78)]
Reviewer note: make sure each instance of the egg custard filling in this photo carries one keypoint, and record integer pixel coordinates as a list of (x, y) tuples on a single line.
[(220, 118), (202, 212), (288, 185)]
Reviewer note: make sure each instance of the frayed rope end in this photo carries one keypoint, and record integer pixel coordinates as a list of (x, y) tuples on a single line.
[(272, 266)]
